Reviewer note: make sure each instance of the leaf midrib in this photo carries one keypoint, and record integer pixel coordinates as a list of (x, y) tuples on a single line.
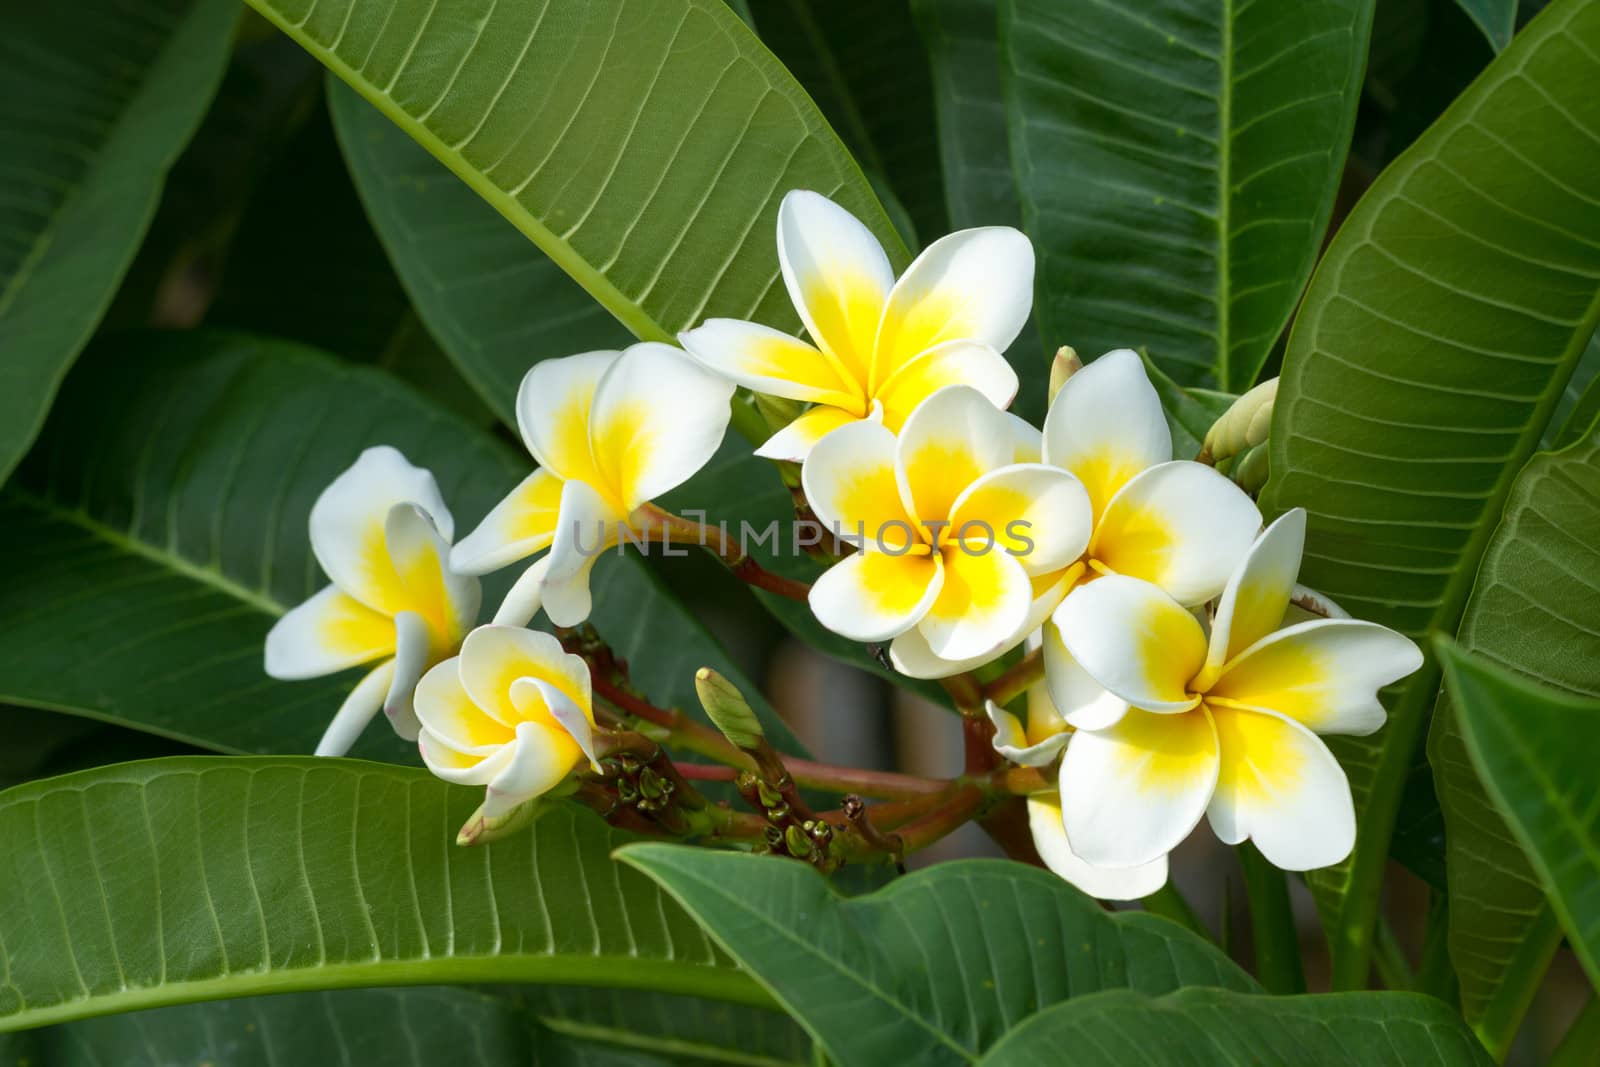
[(124, 541)]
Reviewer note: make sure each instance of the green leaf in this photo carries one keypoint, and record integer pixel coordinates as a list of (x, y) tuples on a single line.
[(933, 968), (1432, 346), (394, 1027), (160, 527), (176, 880), (962, 41), (1580, 400), (552, 1026), (496, 303), (1177, 164), (1535, 609), (96, 101), (1190, 412), (1206, 1027), (1536, 750), (643, 147), (1496, 18), (864, 66)]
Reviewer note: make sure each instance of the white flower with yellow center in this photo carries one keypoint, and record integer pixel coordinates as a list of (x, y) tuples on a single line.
[(949, 528), (1224, 726), (610, 431), (1177, 524), (382, 534), (513, 712), (881, 346)]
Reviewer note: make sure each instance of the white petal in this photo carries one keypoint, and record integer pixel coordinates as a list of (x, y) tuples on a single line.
[(553, 406), (541, 757), (347, 523), (1281, 787), (356, 711), (772, 362), (447, 601), (1036, 513), (1132, 792), (837, 275), (793, 443), (1106, 425), (912, 657), (589, 525), (1103, 883), (413, 656), (873, 596), (520, 525), (1011, 739), (1029, 443), (1081, 701), (326, 634), (850, 482), (981, 606), (956, 436), (1324, 674), (537, 699), (494, 658), (658, 418), (450, 717), (973, 285), (525, 597), (1180, 525), (951, 363), (1257, 596), (1134, 640)]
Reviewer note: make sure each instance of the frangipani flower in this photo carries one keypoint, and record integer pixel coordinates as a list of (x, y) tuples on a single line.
[(513, 712), (1223, 726), (881, 346), (381, 533), (1038, 742), (949, 528), (1177, 524), (610, 430)]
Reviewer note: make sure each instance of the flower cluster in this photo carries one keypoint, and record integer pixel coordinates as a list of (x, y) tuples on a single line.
[(1180, 677)]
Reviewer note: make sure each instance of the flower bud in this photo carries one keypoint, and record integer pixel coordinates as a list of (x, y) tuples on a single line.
[(1065, 364), (480, 829), (728, 709), (1250, 471), (798, 841), (1244, 425)]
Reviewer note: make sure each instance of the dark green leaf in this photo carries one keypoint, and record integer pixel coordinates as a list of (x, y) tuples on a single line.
[(864, 66), (1432, 347), (160, 528), (1216, 1028), (1177, 164), (643, 147), (1496, 18), (933, 968), (170, 881), (1190, 412), (1536, 750), (1535, 609), (96, 101)]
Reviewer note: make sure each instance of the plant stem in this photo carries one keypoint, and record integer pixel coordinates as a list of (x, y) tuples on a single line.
[(1016, 679), (1583, 1037), (675, 529), (1169, 903), (1502, 1017), (1390, 959), (1436, 976), (942, 821), (1277, 941)]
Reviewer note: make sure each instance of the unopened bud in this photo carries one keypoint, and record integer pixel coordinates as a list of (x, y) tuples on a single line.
[(798, 843), (1065, 364), (1251, 470), (651, 784), (728, 709), (481, 829), (1244, 425)]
